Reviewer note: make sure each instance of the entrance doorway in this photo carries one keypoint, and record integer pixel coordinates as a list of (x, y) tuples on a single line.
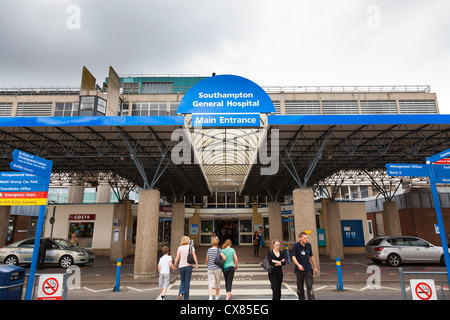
[(227, 229)]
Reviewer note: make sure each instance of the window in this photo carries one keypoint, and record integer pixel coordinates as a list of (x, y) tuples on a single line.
[(157, 87), (58, 195), (149, 109), (101, 107), (130, 87), (35, 109), (398, 242), (5, 109), (124, 109), (378, 107), (276, 104), (87, 105), (173, 108), (417, 106), (206, 230), (302, 107), (92, 106), (66, 109), (418, 242), (90, 195), (340, 107)]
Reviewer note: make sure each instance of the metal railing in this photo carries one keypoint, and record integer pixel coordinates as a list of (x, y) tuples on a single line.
[(348, 89), (440, 278), (38, 91), (268, 89)]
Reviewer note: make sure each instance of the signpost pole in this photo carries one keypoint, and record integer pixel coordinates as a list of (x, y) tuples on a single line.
[(37, 241), (437, 207)]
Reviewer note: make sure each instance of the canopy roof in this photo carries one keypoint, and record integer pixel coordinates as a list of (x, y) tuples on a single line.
[(138, 150)]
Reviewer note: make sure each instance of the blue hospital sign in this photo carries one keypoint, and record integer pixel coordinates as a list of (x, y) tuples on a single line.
[(226, 100)]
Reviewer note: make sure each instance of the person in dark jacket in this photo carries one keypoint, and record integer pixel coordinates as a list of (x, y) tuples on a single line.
[(277, 260), (256, 244), (46, 244)]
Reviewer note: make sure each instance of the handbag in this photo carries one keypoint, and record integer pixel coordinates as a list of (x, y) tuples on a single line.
[(190, 257), (218, 261), (267, 266)]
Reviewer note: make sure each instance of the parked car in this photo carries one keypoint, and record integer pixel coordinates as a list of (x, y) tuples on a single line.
[(395, 250), (61, 252)]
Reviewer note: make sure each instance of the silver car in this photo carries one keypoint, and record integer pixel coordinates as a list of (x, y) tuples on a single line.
[(61, 252), (395, 250)]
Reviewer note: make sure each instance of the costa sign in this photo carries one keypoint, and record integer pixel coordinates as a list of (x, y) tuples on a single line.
[(81, 216)]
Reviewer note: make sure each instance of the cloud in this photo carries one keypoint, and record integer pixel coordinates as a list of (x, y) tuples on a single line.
[(286, 42)]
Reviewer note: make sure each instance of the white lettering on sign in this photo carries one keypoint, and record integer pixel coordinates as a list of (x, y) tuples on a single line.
[(81, 216)]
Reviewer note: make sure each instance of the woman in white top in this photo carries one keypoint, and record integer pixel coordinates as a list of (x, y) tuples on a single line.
[(184, 267)]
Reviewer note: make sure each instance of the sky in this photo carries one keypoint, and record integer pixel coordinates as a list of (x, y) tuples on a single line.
[(45, 43)]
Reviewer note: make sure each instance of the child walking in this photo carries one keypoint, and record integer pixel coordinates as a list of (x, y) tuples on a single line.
[(164, 266)]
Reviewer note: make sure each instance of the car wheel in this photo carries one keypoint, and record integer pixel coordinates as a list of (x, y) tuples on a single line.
[(442, 262), (11, 260), (393, 260), (66, 261)]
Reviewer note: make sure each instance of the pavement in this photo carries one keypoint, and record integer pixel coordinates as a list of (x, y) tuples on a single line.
[(98, 279), (355, 268)]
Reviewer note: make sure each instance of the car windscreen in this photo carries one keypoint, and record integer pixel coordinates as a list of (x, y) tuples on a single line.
[(63, 243)]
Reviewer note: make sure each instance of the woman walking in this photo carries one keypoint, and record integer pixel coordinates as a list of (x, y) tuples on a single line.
[(185, 267), (277, 260), (230, 266), (214, 271)]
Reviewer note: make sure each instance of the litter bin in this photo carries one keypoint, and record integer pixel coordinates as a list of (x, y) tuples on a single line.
[(11, 282)]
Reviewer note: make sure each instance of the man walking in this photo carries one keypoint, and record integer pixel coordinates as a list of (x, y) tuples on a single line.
[(305, 265)]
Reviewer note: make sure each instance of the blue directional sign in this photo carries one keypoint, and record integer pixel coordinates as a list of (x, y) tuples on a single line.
[(439, 156), (30, 166), (21, 182), (442, 173), (29, 163), (407, 170), (437, 173)]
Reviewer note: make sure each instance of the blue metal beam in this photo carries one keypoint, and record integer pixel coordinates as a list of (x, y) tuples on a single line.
[(384, 119)]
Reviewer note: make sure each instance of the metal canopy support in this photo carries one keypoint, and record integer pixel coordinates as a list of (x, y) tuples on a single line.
[(134, 158), (312, 164)]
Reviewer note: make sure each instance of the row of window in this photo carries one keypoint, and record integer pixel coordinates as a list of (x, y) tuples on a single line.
[(367, 107), (95, 106)]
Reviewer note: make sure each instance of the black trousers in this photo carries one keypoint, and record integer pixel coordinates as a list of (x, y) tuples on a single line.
[(302, 277), (228, 275), (276, 280), (256, 249)]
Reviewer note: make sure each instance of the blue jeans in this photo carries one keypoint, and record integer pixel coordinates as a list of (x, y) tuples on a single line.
[(185, 275)]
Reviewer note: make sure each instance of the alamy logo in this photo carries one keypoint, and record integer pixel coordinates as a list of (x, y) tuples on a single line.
[(214, 147)]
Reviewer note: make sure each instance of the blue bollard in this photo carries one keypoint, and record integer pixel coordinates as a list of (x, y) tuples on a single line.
[(340, 286), (119, 266), (287, 255)]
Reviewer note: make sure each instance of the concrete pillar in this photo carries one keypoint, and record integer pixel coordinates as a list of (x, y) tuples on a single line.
[(275, 226), (334, 230), (128, 248), (75, 194), (177, 228), (391, 219), (118, 231), (145, 258), (103, 193), (305, 218), (5, 213)]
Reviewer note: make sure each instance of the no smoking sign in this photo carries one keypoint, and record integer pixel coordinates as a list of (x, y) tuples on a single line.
[(423, 289), (50, 287)]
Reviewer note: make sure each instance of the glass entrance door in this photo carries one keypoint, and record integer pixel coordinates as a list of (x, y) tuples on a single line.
[(227, 229), (245, 232)]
